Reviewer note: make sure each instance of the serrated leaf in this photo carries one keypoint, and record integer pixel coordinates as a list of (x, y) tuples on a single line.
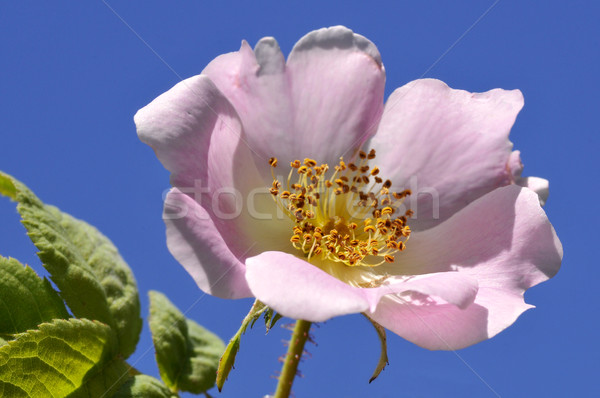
[(143, 386), (186, 353), (74, 358), (383, 358), (228, 358), (93, 279), (26, 300)]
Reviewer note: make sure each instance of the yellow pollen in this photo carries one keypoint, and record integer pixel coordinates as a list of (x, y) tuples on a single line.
[(346, 215)]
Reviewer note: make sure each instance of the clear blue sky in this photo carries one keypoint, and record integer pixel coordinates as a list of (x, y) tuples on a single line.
[(73, 75)]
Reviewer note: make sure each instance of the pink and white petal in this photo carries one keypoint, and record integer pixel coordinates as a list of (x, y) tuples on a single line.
[(322, 104), (452, 287), (505, 241), (448, 146), (514, 164), (256, 84), (198, 137), (441, 326), (337, 83), (196, 242), (537, 185), (299, 290)]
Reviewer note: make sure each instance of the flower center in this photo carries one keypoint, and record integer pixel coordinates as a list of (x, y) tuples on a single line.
[(348, 215)]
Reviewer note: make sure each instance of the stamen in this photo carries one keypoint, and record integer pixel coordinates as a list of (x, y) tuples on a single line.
[(343, 217)]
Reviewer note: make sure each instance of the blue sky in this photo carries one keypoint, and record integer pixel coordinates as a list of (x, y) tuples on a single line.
[(74, 74)]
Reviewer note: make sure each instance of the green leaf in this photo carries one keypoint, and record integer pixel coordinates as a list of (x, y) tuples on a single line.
[(271, 319), (92, 277), (25, 299), (186, 353), (74, 358), (383, 358), (143, 386), (228, 358), (7, 188)]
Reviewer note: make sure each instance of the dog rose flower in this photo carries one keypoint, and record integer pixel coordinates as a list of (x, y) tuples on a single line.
[(293, 183)]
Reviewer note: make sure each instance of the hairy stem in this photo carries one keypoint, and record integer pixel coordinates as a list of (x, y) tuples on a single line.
[(292, 359)]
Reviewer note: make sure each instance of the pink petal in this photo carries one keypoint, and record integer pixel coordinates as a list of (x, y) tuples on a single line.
[(198, 137), (536, 184), (505, 241), (452, 287), (323, 103), (441, 326), (300, 290), (260, 94), (448, 146), (337, 83), (195, 241)]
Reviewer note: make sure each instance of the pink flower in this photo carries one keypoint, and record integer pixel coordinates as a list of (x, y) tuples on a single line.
[(447, 273)]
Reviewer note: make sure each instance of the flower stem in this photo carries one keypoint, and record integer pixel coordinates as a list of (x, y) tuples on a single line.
[(292, 359)]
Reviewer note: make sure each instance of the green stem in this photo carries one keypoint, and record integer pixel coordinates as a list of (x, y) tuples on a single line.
[(292, 359)]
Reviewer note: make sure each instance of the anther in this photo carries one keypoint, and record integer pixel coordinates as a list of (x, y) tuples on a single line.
[(387, 210), (327, 228), (310, 162)]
